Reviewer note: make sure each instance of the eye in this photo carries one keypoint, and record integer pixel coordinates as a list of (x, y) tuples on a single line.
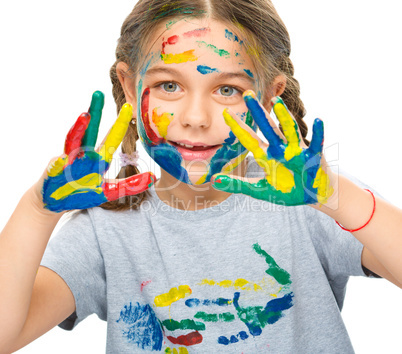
[(170, 86), (227, 91)]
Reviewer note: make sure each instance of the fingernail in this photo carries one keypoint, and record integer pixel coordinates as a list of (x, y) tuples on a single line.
[(249, 94), (276, 100)]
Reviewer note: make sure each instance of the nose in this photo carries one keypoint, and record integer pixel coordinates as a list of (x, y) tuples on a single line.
[(196, 114)]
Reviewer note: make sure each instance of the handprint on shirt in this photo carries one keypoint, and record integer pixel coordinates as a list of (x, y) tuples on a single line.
[(293, 175), (76, 179)]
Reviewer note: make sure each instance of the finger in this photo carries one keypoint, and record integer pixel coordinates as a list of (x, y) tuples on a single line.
[(261, 118), (129, 186), (75, 136), (95, 110), (247, 137), (56, 165), (317, 141), (290, 128), (228, 184), (117, 133)]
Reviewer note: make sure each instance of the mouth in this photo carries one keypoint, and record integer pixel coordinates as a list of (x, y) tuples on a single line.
[(192, 151)]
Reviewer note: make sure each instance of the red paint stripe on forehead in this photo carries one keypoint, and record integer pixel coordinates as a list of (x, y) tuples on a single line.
[(198, 32), (171, 40)]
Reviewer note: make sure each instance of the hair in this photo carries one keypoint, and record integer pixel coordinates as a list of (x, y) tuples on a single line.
[(255, 21)]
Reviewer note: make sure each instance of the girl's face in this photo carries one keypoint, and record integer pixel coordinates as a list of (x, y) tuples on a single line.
[(194, 70)]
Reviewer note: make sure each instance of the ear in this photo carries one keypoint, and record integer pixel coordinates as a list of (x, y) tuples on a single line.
[(277, 88), (127, 82)]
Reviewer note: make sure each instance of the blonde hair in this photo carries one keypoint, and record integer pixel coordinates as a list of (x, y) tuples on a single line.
[(259, 25)]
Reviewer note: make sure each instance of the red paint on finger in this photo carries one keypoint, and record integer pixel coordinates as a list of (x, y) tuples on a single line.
[(192, 338), (74, 137), (130, 186)]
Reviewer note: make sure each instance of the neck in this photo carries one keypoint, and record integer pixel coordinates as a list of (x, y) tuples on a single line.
[(183, 196)]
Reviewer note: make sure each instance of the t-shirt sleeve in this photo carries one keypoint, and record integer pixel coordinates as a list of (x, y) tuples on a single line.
[(74, 254)]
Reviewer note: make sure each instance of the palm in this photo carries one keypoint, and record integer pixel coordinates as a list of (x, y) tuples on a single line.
[(76, 180), (293, 175)]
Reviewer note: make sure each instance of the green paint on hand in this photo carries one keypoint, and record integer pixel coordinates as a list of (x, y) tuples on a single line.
[(95, 110)]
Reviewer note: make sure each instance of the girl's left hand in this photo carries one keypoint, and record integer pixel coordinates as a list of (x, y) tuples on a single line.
[(294, 173)]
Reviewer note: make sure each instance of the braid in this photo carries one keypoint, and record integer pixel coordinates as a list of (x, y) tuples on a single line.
[(291, 97)]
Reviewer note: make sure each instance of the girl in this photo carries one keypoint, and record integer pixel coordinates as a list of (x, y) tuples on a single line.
[(240, 287)]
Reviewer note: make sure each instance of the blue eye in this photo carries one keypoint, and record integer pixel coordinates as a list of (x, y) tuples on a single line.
[(170, 86), (227, 91)]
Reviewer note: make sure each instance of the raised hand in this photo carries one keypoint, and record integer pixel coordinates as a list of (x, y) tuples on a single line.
[(294, 174), (76, 179)]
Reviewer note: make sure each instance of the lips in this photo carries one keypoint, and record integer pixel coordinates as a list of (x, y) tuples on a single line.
[(191, 151)]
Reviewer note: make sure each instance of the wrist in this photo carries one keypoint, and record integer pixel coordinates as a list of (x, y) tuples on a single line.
[(352, 205)]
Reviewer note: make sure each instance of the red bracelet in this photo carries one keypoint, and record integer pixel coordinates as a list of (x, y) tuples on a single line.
[(343, 228)]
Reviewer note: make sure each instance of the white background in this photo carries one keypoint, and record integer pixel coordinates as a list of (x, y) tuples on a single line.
[(347, 56)]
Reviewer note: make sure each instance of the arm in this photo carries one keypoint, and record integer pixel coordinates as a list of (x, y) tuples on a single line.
[(27, 294), (299, 175), (382, 237)]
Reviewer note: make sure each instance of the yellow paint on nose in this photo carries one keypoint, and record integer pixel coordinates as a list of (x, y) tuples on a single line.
[(179, 58), (162, 122), (89, 183), (174, 294)]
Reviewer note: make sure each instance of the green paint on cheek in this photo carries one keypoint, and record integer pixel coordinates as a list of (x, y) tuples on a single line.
[(220, 52), (280, 275), (172, 325), (213, 317)]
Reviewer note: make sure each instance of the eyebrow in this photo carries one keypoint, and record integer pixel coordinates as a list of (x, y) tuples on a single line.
[(220, 75)]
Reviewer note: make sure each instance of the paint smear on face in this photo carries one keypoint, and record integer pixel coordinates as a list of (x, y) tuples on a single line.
[(174, 294), (203, 69), (176, 58), (249, 73), (154, 139), (179, 58), (221, 52), (141, 327), (162, 122), (197, 33), (232, 37)]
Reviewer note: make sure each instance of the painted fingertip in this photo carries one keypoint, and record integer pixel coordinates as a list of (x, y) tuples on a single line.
[(98, 101), (277, 100), (249, 94)]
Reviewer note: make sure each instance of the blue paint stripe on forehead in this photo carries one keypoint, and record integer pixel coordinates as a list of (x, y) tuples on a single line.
[(203, 69)]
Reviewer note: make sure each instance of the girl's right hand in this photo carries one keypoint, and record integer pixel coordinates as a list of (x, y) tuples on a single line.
[(75, 180)]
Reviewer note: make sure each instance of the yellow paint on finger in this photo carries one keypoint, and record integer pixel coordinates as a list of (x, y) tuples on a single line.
[(324, 188), (117, 133), (179, 58), (245, 138), (174, 294), (56, 167), (89, 183), (290, 130), (162, 122), (231, 166)]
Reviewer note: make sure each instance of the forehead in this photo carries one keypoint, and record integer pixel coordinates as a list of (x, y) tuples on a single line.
[(202, 44)]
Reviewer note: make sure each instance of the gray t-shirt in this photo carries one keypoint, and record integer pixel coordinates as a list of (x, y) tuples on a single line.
[(245, 276)]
